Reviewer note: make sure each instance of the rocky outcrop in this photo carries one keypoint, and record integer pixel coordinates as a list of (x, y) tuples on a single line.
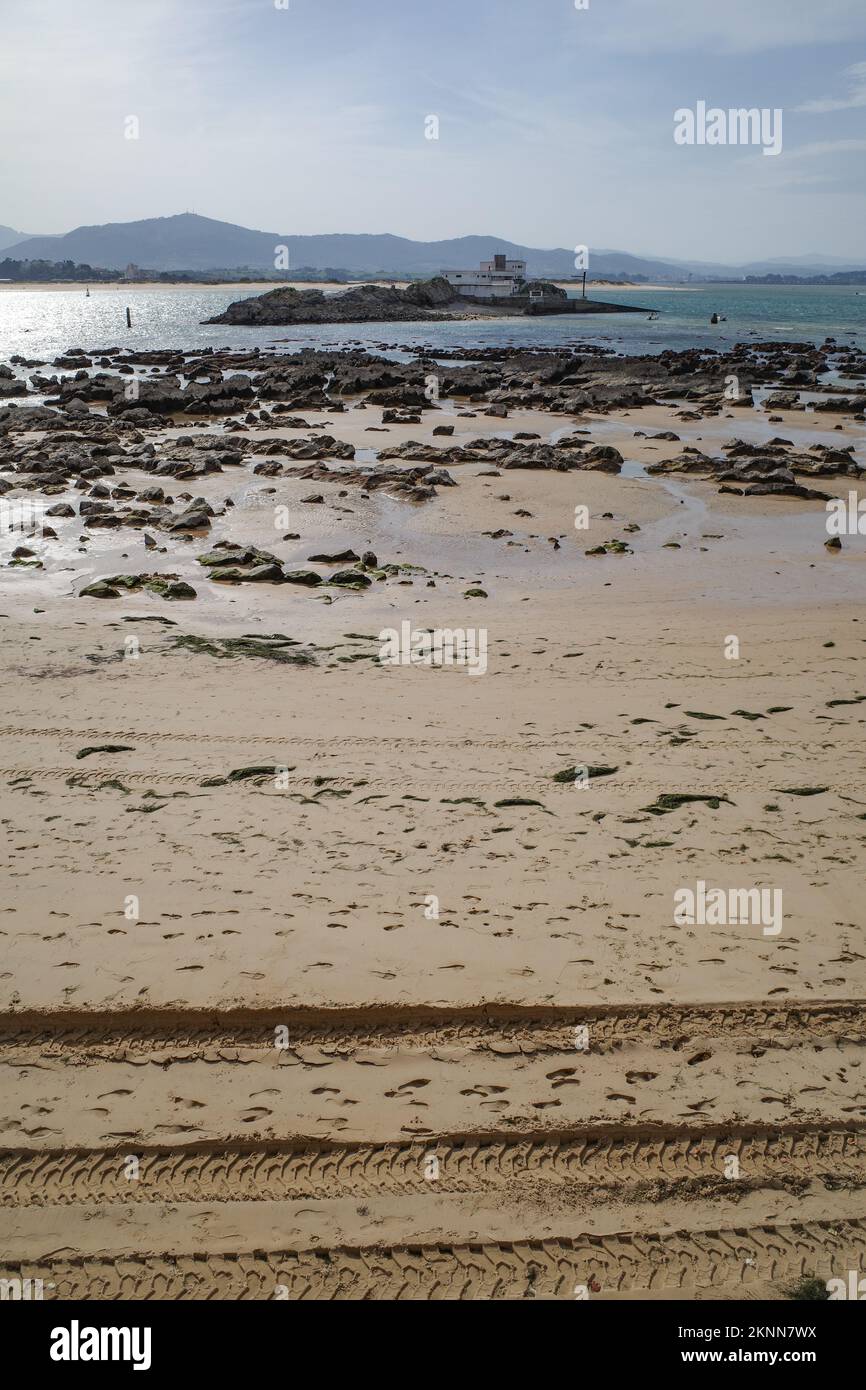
[(428, 299), (570, 453)]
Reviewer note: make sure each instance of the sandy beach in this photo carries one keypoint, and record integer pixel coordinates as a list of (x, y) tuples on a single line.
[(325, 976)]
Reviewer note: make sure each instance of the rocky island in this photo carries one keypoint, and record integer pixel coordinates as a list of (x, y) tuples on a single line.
[(427, 299)]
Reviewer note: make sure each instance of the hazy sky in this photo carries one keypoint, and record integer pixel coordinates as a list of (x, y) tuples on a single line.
[(555, 124)]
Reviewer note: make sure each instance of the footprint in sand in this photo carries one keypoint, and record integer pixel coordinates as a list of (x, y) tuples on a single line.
[(408, 1086)]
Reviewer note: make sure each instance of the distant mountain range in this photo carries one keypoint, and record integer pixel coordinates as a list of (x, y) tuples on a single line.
[(188, 242), (9, 237)]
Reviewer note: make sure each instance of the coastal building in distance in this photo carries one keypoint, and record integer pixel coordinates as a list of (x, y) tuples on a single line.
[(496, 279)]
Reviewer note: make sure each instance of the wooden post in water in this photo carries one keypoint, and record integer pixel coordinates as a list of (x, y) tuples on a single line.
[(584, 285), (128, 319)]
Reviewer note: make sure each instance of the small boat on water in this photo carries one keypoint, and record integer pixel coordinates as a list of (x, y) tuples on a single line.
[(653, 316), (719, 318)]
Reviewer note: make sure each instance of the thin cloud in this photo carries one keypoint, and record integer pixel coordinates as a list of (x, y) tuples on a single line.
[(856, 96), (738, 26), (822, 148)]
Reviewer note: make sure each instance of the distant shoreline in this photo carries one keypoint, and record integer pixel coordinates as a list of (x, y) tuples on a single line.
[(253, 285), (185, 286), (261, 286)]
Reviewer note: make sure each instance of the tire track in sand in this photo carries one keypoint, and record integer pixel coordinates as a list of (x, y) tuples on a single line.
[(504, 1029), (594, 1159), (679, 1263)]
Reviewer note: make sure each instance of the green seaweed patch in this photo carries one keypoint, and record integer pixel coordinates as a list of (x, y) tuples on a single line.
[(672, 801), (801, 791), (699, 714), (255, 773), (148, 618), (265, 648), (611, 547), (569, 774), (808, 1289), (104, 748)]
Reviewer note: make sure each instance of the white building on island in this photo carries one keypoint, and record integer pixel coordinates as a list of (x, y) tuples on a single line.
[(493, 279)]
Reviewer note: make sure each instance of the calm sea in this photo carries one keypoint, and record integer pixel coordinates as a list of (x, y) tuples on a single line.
[(42, 324)]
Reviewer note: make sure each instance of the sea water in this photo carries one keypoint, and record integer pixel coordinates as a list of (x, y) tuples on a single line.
[(43, 323)]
